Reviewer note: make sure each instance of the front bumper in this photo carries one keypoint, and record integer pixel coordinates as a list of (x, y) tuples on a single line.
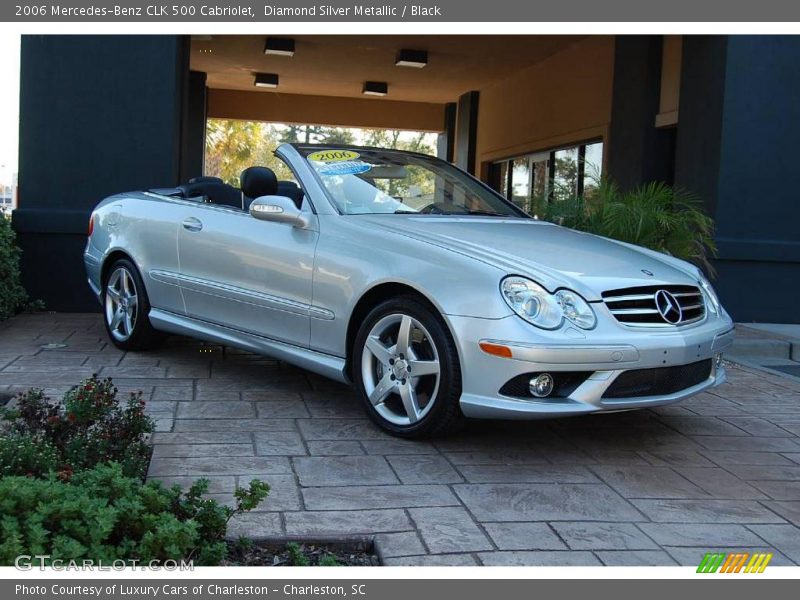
[(603, 354)]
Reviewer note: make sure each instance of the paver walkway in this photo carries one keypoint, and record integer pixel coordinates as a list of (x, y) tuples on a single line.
[(658, 487)]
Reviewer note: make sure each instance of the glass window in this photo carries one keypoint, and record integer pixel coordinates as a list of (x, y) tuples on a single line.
[(521, 182), (540, 165), (592, 168), (361, 181), (565, 179), (554, 175)]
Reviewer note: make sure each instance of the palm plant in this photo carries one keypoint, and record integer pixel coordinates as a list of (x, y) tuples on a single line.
[(653, 215)]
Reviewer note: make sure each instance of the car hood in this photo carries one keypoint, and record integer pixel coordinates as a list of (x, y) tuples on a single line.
[(554, 256)]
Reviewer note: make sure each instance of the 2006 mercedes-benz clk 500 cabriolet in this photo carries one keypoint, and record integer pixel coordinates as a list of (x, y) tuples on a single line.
[(436, 297)]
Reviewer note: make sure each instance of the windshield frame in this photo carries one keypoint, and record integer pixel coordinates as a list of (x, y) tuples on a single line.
[(303, 150)]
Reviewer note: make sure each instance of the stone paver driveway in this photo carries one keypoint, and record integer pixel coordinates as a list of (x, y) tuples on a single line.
[(656, 487)]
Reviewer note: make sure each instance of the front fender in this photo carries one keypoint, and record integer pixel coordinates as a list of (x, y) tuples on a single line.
[(352, 260)]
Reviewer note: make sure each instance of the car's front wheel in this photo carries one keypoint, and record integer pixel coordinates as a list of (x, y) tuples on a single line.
[(125, 308), (406, 369)]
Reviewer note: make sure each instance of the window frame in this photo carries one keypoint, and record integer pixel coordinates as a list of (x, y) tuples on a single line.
[(496, 167)]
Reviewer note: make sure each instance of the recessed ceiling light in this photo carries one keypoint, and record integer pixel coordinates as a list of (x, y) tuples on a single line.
[(375, 88), (412, 58), (266, 80), (279, 46)]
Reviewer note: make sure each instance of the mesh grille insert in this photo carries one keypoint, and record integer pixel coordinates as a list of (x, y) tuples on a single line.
[(658, 382)]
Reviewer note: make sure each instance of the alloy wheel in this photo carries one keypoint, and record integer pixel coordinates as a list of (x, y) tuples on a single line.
[(400, 369), (121, 304)]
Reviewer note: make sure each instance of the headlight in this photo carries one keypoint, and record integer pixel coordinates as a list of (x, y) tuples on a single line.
[(713, 301), (541, 308), (532, 302), (576, 309)]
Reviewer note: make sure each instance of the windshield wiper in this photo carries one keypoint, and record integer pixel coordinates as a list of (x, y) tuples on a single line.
[(487, 213)]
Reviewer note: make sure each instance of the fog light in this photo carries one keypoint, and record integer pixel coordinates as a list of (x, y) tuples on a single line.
[(718, 360), (541, 386)]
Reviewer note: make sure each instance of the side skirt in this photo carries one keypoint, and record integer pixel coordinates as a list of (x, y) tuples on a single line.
[(322, 364)]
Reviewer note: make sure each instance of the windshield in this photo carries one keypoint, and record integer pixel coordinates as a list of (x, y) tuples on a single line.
[(361, 181)]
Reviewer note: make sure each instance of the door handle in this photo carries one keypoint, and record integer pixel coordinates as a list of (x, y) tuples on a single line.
[(192, 224)]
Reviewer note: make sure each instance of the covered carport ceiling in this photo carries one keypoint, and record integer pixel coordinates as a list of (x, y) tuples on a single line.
[(338, 65)]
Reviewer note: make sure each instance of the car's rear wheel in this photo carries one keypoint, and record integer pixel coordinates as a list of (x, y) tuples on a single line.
[(126, 308), (406, 369)]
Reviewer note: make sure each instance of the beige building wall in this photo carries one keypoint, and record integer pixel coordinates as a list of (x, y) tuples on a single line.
[(670, 81), (559, 101), (325, 110)]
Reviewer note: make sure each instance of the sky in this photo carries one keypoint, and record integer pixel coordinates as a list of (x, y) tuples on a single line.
[(9, 105)]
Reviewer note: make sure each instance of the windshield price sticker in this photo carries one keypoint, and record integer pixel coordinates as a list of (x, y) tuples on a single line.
[(350, 167), (329, 156)]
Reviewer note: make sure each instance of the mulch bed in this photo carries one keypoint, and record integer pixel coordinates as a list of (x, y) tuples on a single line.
[(282, 554)]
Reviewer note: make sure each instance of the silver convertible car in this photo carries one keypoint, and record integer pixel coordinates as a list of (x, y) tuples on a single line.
[(436, 297)]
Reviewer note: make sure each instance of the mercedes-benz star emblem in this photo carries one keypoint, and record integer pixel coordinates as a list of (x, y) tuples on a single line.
[(668, 307)]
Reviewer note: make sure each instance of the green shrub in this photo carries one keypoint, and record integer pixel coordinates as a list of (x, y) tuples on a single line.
[(88, 428), (296, 556), (13, 298), (26, 454), (329, 560), (653, 215), (103, 515)]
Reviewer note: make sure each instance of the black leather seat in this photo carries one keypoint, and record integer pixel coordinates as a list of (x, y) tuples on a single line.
[(206, 179), (214, 192), (291, 190), (256, 182)]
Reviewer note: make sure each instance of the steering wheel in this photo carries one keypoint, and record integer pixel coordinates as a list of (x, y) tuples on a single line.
[(431, 209)]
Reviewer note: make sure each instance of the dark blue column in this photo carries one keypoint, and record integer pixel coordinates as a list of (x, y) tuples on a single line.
[(467, 131), (445, 146), (638, 152), (738, 133), (98, 115)]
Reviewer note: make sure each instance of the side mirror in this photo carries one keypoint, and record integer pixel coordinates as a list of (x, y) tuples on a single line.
[(278, 209)]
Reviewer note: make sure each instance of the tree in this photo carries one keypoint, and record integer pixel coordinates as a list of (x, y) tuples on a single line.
[(413, 141), (317, 134), (232, 146)]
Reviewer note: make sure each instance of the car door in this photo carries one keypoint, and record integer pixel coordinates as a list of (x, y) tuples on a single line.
[(148, 232), (247, 274)]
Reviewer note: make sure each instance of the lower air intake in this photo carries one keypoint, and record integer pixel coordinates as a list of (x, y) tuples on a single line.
[(658, 382)]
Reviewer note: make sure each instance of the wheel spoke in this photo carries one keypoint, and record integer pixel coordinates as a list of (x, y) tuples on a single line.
[(132, 302), (410, 402), (113, 293), (125, 284), (382, 390), (379, 350), (127, 323), (117, 319), (404, 335), (418, 368)]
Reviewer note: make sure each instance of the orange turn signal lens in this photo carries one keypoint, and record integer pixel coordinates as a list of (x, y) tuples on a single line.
[(495, 349)]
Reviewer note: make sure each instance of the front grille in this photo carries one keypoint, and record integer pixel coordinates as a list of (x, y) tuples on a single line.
[(655, 306), (658, 382)]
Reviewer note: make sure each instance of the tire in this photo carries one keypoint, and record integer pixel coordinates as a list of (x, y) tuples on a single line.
[(126, 308), (384, 368)]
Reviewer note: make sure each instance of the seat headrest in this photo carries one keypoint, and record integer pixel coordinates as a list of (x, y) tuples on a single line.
[(258, 181)]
